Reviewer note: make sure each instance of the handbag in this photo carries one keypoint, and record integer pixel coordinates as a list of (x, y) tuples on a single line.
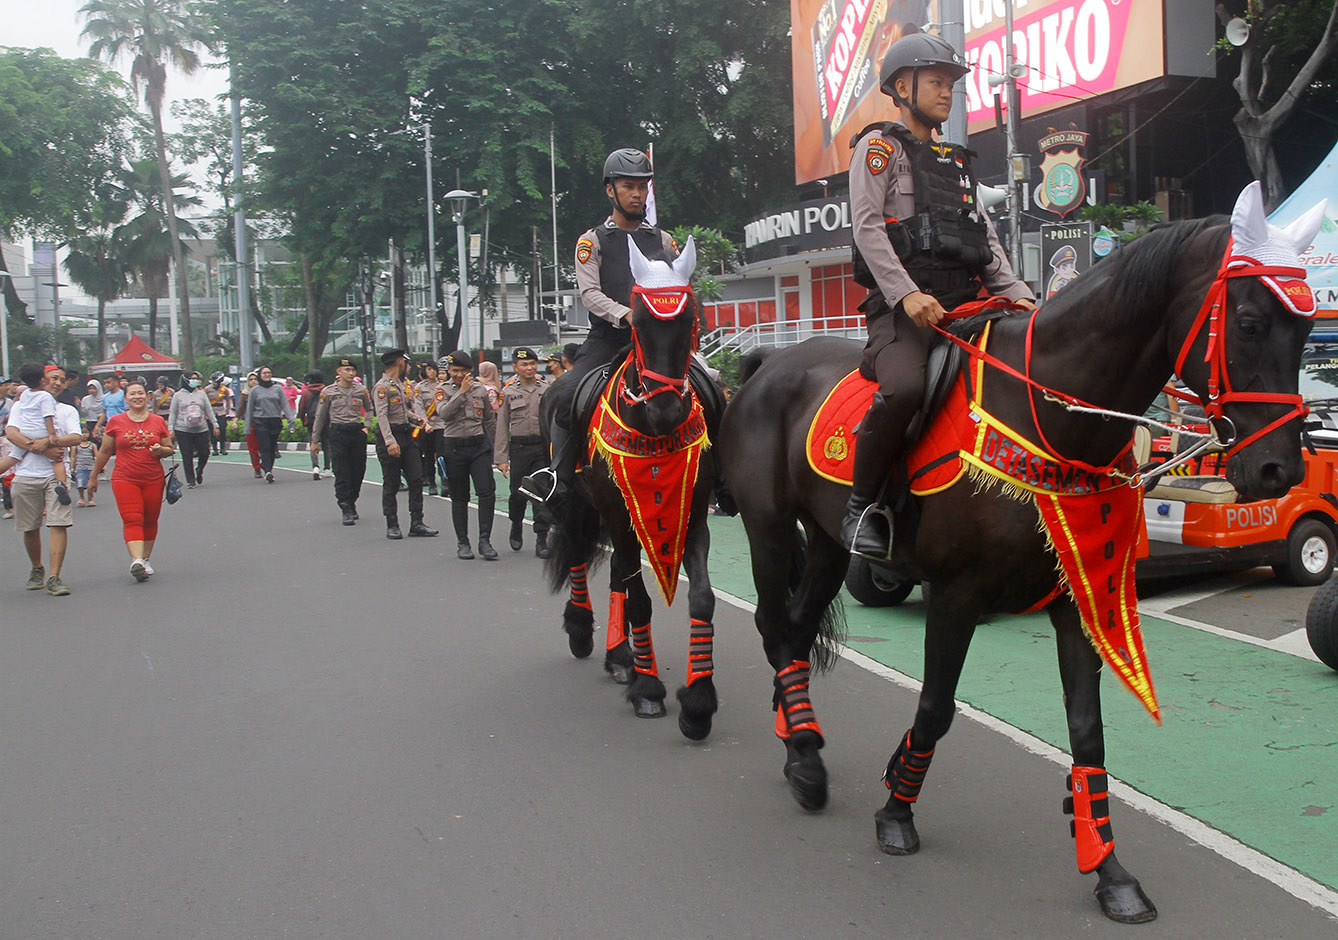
[(172, 488)]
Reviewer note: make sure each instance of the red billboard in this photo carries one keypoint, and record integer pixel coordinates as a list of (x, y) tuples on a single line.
[(1069, 50)]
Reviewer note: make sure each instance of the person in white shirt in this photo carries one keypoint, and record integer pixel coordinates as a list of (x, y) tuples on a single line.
[(34, 490)]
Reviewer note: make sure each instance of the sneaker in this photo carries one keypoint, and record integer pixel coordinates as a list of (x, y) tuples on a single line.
[(269, 477), (55, 588), (258, 474), (8, 515), (138, 571), (148, 568), (37, 579), (63, 497), (315, 473)]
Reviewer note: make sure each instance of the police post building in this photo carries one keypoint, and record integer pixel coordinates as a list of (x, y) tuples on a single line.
[(1130, 95)]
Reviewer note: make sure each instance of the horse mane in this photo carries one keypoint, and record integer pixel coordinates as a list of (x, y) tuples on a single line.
[(1140, 278)]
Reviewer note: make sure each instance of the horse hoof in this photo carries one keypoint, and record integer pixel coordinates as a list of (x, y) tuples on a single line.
[(623, 675), (694, 729), (648, 708), (808, 783), (580, 640), (697, 704), (896, 836), (1125, 903)]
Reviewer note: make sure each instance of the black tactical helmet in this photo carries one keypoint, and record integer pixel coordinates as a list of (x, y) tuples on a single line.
[(918, 51), (627, 162)]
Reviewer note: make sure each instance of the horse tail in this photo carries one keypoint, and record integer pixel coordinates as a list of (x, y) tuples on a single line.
[(831, 633), (574, 540), (750, 362)]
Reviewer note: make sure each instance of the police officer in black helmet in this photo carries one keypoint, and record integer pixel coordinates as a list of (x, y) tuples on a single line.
[(922, 246), (604, 277)]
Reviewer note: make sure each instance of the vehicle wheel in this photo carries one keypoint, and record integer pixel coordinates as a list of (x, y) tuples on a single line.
[(1321, 624), (1310, 547), (873, 586)]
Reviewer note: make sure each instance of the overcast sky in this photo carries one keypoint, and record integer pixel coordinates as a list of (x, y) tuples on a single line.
[(56, 24)]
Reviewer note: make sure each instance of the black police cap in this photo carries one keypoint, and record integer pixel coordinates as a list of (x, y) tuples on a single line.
[(346, 362), (392, 356), (459, 358), (523, 354)]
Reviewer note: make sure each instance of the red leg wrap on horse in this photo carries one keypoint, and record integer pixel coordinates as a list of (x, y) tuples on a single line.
[(699, 651), (794, 711), (617, 631), (580, 595), (643, 652), (905, 773), (1090, 806)]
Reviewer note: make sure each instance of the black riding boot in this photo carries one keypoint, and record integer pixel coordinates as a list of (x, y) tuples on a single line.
[(552, 485), (867, 528)]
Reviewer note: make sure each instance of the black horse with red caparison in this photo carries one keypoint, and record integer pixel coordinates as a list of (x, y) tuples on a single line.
[(652, 405), (1111, 338)]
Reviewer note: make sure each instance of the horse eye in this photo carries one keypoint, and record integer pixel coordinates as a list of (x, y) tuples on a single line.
[(1251, 327)]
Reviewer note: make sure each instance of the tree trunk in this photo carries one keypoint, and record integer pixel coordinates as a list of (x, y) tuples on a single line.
[(178, 256), (1257, 135), (398, 313), (309, 291), (13, 303), (102, 330)]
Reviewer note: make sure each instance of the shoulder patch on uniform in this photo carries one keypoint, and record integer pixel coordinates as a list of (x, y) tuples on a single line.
[(877, 158), (441, 396), (380, 393), (323, 396), (583, 249)]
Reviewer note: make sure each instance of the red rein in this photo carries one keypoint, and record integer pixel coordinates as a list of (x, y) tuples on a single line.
[(664, 303)]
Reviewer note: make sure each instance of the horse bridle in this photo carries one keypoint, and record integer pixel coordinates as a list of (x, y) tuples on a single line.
[(664, 303), (1213, 314)]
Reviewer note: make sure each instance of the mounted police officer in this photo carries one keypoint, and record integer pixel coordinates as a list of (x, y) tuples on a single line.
[(604, 276), (922, 246)]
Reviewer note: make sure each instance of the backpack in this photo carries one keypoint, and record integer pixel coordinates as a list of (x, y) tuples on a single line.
[(192, 413)]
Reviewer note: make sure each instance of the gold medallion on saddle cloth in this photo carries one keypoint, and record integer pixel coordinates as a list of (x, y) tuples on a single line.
[(656, 476), (1091, 520)]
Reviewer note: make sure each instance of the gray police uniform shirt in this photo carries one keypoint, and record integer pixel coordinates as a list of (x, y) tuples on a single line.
[(518, 415), (587, 274), (431, 396), (467, 414), (392, 404), (339, 405), (882, 189)]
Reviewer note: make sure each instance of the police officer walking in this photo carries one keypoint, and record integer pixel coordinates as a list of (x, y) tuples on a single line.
[(520, 447), (604, 277), (470, 428), (922, 246), (340, 412), (396, 447)]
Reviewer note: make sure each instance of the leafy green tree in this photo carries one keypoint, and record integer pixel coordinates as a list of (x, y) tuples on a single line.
[(153, 34), (1290, 47), (148, 236), (64, 124)]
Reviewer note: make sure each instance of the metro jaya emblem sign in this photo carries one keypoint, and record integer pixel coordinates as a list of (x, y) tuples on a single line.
[(1063, 188)]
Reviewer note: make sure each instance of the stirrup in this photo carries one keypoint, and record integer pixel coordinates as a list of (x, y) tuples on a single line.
[(540, 485), (876, 510)]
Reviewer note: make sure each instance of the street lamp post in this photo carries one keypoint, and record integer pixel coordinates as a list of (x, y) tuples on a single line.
[(4, 332), (431, 224), (459, 199)]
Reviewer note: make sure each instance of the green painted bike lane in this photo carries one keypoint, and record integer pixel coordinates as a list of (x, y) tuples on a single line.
[(1249, 737)]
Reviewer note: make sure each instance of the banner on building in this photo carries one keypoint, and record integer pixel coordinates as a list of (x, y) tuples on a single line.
[(1063, 187), (1066, 252)]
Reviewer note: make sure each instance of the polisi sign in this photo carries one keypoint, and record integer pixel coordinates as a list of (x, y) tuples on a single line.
[(1251, 516), (801, 226)]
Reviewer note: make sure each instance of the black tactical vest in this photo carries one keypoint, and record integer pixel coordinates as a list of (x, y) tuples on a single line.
[(944, 246), (615, 267)]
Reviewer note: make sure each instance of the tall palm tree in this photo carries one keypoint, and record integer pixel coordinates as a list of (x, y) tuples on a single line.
[(152, 34), (96, 262), (148, 235)]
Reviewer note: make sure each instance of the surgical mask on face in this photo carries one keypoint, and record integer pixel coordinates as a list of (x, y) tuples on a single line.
[(194, 383)]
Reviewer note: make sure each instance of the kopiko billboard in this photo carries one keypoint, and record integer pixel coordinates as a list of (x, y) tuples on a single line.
[(1069, 49)]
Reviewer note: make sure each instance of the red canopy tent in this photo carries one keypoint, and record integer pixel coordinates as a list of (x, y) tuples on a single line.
[(136, 357)]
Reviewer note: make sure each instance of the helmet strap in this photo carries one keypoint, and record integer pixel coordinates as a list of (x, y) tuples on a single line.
[(914, 106)]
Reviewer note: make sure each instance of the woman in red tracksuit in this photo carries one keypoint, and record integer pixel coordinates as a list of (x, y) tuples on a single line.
[(139, 439)]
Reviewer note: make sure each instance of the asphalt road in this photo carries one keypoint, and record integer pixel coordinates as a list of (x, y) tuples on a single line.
[(301, 730)]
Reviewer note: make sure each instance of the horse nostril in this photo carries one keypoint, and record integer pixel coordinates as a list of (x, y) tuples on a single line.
[(1274, 477)]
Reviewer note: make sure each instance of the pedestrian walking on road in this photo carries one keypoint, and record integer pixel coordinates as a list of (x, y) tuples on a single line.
[(491, 380), (267, 408), (520, 449), (430, 393), (85, 455), (248, 433), (470, 427), (341, 411), (191, 420), (396, 447), (138, 439), (220, 399), (307, 401), (33, 490), (90, 409)]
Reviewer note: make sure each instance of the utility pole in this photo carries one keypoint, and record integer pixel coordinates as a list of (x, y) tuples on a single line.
[(431, 222), (243, 270), (953, 29), (536, 287), (1014, 158)]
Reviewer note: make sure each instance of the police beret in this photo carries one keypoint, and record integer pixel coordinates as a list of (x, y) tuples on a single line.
[(345, 362), (392, 356), (523, 354), (459, 358)]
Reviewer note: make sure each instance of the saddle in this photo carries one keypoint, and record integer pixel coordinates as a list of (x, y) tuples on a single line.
[(593, 383)]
